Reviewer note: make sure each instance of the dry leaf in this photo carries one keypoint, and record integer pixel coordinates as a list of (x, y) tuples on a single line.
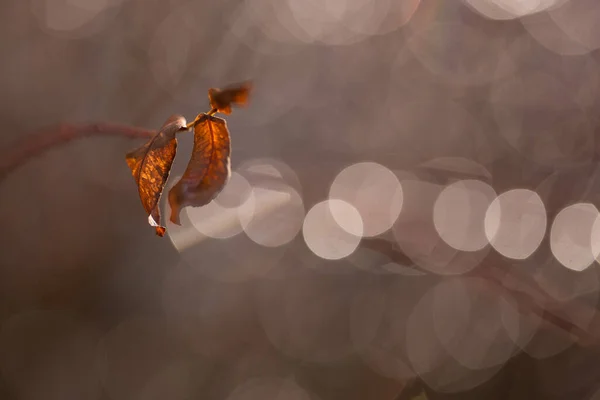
[(208, 169), (236, 95), (150, 166)]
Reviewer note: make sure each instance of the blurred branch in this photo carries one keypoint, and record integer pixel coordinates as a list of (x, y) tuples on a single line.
[(530, 297), (35, 143)]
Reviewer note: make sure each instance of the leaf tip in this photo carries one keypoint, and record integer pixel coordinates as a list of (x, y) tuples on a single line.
[(174, 204), (236, 95)]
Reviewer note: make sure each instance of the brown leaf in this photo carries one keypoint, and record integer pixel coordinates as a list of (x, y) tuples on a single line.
[(208, 169), (150, 166), (236, 95)]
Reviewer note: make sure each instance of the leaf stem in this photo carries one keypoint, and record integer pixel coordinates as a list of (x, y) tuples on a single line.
[(190, 125)]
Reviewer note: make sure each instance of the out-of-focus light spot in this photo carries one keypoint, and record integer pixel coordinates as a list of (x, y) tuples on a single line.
[(579, 21), (459, 214), (569, 288), (330, 22), (182, 236), (323, 234), (270, 174), (547, 343), (377, 17), (269, 388), (519, 324), (236, 192), (219, 222), (378, 325), (546, 32), (213, 220), (374, 191), (416, 234), (595, 238), (573, 240), (215, 258), (264, 168), (274, 218), (276, 213), (430, 358), (267, 26), (510, 9), (324, 21), (515, 223), (468, 319), (73, 18), (303, 320), (490, 9)]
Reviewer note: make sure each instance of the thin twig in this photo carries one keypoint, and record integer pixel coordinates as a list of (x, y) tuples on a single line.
[(36, 143), (530, 297)]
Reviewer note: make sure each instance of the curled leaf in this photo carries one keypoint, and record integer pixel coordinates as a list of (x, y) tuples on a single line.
[(150, 165), (208, 169), (236, 95)]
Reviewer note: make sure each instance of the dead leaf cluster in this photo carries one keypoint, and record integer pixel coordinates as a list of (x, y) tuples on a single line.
[(208, 169)]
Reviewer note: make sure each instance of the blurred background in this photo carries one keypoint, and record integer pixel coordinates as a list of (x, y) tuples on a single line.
[(411, 212)]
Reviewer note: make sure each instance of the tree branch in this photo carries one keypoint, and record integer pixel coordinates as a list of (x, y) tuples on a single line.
[(36, 143), (530, 298)]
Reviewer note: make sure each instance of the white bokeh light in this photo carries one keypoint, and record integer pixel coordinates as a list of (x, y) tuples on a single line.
[(459, 214), (510, 9), (274, 218), (235, 193), (325, 237), (374, 191), (515, 223), (416, 234), (74, 19), (219, 219), (430, 357), (574, 236), (578, 20), (269, 388), (470, 321), (546, 32), (216, 221)]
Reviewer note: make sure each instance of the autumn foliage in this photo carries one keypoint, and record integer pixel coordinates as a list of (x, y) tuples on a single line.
[(208, 169)]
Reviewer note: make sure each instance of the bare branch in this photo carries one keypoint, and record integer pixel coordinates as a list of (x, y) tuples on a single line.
[(529, 296), (34, 144)]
